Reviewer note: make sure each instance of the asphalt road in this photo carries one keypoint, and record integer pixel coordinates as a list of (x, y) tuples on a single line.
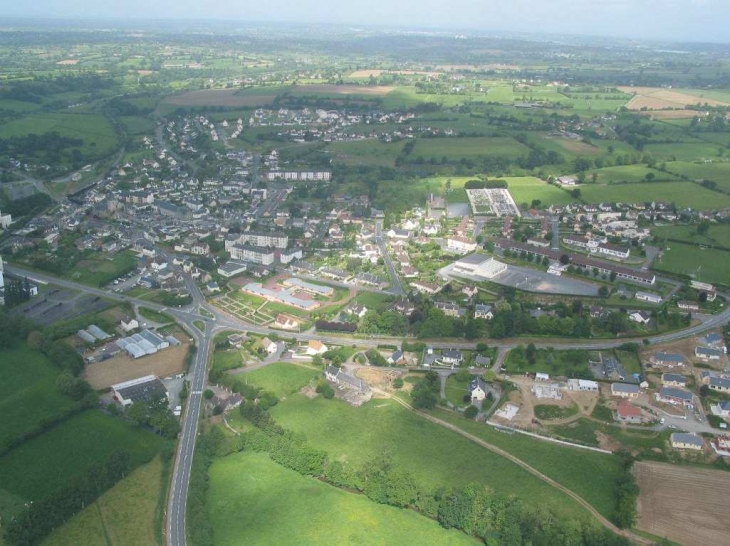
[(396, 287)]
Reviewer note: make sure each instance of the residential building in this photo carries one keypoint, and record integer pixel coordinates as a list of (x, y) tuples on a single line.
[(684, 440), (255, 254), (483, 311), (668, 360), (316, 347), (648, 297), (624, 390), (673, 380), (708, 353), (674, 396), (628, 413), (478, 389)]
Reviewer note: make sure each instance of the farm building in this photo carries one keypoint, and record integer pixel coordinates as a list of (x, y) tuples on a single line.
[(684, 440), (668, 360), (140, 389), (98, 333), (143, 343), (628, 413), (648, 297), (674, 380), (86, 336), (582, 385), (624, 390), (674, 396)]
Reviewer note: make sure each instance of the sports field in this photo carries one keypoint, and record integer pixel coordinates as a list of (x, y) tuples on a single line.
[(124, 515), (250, 496)]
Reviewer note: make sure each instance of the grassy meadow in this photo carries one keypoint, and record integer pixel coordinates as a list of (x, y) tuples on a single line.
[(250, 496), (435, 456), (125, 515), (281, 378)]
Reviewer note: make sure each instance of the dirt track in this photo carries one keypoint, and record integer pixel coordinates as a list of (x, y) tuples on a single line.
[(499, 451), (685, 504)]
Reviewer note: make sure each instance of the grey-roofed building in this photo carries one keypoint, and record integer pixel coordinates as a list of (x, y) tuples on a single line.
[(719, 384), (669, 360), (684, 440), (674, 396), (140, 389), (86, 336), (673, 380), (98, 333), (708, 353), (452, 356), (337, 375), (624, 390)]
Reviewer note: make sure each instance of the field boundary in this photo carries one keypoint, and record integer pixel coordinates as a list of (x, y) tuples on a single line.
[(549, 439)]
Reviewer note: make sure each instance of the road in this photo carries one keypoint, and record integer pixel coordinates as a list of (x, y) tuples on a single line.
[(176, 530), (397, 287)]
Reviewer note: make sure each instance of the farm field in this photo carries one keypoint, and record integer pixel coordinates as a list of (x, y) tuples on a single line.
[(525, 189), (656, 98), (717, 234), (718, 172), (366, 152), (684, 194), (254, 497), (445, 458), (468, 148), (124, 515), (28, 393), (627, 174), (97, 134), (221, 97), (685, 259), (47, 462), (281, 378), (683, 151), (685, 504)]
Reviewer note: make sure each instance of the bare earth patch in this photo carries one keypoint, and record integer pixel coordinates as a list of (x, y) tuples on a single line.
[(377, 90), (657, 98), (68, 62), (685, 504), (123, 367)]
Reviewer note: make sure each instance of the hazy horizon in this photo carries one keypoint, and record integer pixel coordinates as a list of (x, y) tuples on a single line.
[(666, 20)]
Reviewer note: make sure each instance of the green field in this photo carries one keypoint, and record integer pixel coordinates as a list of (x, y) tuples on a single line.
[(435, 456), (96, 132), (718, 172), (98, 270), (684, 194), (28, 393), (455, 391), (281, 378), (124, 515), (49, 461), (250, 496), (156, 316), (717, 234), (571, 363), (627, 174), (683, 151), (366, 152), (707, 265), (468, 148), (525, 189)]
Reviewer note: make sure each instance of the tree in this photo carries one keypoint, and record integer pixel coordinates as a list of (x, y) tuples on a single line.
[(564, 259), (703, 227), (531, 353), (398, 383), (208, 394), (471, 412), (603, 291)]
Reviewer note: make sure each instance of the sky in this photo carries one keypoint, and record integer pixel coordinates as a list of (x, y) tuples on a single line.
[(674, 20)]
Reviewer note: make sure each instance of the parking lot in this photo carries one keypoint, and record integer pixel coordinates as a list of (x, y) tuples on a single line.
[(54, 304)]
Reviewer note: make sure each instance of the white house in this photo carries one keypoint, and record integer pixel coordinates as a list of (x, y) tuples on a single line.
[(483, 311), (129, 323), (478, 389), (269, 346), (316, 347)]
